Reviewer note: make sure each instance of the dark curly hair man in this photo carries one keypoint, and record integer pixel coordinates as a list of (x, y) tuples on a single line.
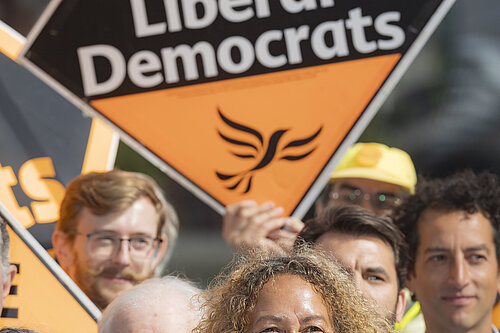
[(452, 229)]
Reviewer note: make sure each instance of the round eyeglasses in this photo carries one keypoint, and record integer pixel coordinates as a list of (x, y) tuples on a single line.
[(105, 245), (379, 201)]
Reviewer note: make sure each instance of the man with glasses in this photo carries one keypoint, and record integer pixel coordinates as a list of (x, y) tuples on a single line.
[(114, 230), (371, 175)]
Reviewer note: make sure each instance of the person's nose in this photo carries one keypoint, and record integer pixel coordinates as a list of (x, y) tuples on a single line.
[(459, 275), (122, 254), (367, 204), (358, 280)]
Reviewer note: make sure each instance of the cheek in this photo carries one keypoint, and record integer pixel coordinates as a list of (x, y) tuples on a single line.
[(383, 294), (84, 261), (80, 252), (365, 289)]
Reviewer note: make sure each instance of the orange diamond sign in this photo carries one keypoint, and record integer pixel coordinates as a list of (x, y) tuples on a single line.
[(42, 297), (234, 99)]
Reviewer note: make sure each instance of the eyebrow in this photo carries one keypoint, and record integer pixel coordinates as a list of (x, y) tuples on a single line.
[(378, 270), (272, 318), (435, 249), (311, 318), (278, 319)]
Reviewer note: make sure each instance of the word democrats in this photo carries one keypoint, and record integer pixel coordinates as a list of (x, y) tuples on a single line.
[(232, 38)]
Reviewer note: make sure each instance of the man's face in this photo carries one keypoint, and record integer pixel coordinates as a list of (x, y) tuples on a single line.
[(373, 195), (371, 262), (103, 278), (455, 277)]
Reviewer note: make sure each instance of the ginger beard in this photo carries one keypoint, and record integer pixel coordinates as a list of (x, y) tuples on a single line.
[(104, 281), (103, 278)]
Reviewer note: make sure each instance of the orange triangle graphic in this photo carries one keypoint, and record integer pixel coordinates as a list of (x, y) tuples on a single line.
[(41, 302), (283, 110)]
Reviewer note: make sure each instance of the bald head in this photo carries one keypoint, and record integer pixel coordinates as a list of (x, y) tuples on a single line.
[(161, 305)]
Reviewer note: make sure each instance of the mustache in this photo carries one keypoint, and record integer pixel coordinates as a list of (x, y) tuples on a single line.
[(124, 273)]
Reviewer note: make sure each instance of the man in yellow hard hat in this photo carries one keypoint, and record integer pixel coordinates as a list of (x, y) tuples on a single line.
[(371, 175)]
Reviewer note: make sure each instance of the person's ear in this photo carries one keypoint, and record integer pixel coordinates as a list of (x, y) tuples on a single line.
[(63, 249), (401, 305), (9, 277), (162, 249)]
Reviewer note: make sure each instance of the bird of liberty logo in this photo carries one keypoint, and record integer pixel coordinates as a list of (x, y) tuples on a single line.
[(260, 151)]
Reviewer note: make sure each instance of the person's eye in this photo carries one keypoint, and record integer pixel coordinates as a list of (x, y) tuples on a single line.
[(374, 278), (104, 239), (437, 258), (270, 329), (477, 258), (140, 242), (312, 329)]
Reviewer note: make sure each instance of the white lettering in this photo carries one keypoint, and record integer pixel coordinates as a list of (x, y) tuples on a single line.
[(228, 11), (297, 6), (141, 63), (339, 47), (357, 23), (173, 16), (396, 33), (262, 8), (191, 19), (86, 55), (264, 54), (141, 24), (293, 37), (245, 48), (188, 56), (327, 3)]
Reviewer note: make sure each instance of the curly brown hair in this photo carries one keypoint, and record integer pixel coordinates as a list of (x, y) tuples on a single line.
[(463, 191), (232, 296)]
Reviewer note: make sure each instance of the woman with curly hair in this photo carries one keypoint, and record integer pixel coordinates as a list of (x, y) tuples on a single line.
[(305, 292)]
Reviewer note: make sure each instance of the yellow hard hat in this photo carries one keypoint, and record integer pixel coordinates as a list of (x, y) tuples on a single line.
[(378, 162)]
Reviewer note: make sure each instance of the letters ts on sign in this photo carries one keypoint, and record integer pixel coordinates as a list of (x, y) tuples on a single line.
[(147, 69)]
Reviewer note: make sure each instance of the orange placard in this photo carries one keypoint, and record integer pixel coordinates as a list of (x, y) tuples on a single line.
[(253, 137), (234, 101), (42, 296)]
